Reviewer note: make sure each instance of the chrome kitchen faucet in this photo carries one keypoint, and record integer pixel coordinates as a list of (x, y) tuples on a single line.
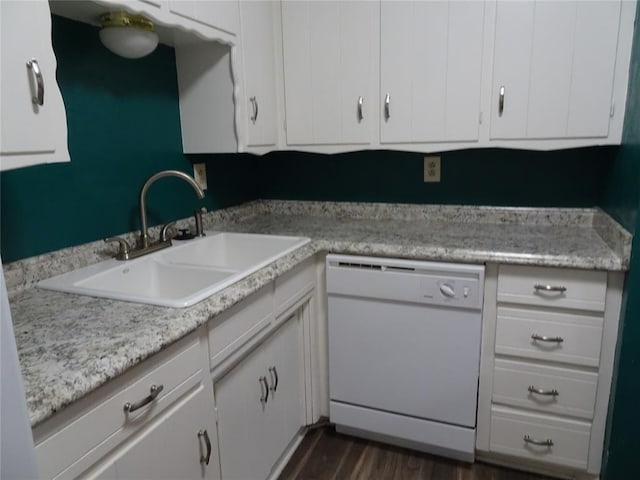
[(125, 252)]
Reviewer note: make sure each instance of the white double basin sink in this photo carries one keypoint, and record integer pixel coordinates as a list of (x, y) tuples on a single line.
[(181, 275)]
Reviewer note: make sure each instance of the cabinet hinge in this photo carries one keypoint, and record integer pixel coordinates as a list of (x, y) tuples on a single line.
[(613, 109), (480, 118)]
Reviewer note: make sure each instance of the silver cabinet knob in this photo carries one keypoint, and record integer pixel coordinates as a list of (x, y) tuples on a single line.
[(254, 105), (360, 115), (501, 101), (387, 107)]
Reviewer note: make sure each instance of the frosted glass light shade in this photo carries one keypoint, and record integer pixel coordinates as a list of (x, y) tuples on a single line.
[(129, 42)]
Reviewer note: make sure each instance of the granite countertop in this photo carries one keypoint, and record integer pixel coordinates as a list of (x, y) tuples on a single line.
[(69, 345)]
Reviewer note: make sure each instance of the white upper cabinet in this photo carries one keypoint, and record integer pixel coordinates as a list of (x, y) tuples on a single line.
[(220, 14), (430, 71), (259, 62), (33, 126), (554, 69), (330, 71)]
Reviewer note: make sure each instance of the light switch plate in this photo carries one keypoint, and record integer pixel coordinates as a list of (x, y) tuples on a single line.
[(431, 169), (200, 174)]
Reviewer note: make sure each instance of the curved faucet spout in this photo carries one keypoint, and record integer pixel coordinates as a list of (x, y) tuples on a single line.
[(144, 234)]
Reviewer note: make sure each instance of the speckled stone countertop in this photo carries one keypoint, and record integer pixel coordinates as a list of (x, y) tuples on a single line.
[(69, 345)]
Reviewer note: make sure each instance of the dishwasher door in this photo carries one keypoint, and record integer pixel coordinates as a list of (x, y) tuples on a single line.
[(399, 345)]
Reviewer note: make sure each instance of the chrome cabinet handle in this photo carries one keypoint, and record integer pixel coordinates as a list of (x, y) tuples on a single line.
[(273, 373), (38, 99), (501, 101), (544, 338), (543, 443), (254, 104), (205, 458), (360, 115), (550, 288), (539, 391), (264, 397), (154, 391), (387, 107)]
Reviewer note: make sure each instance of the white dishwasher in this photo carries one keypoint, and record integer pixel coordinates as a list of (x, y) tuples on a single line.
[(404, 351)]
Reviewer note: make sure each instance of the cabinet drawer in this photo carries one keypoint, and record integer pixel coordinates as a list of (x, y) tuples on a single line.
[(238, 325), (576, 390), (94, 432), (577, 289), (581, 335), (293, 285), (569, 438)]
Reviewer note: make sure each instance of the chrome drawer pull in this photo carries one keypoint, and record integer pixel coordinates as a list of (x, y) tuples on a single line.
[(551, 393), (154, 391), (205, 459), (543, 443), (543, 338), (264, 397), (501, 101), (360, 115), (550, 288), (273, 373)]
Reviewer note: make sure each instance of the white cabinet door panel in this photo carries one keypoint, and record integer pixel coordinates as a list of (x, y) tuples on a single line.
[(594, 60), (172, 449), (511, 67), (258, 48), (431, 68), (29, 133), (220, 14), (329, 51), (556, 62), (550, 79)]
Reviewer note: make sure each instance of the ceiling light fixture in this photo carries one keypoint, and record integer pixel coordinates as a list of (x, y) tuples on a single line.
[(128, 35)]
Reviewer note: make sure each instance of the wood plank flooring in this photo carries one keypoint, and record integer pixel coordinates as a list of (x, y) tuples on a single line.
[(327, 455)]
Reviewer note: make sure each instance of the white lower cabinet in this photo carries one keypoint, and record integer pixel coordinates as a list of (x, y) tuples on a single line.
[(181, 444), (247, 368), (549, 339), (260, 405)]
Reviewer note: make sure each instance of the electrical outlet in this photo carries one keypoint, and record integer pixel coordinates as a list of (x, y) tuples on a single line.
[(431, 169), (200, 174)]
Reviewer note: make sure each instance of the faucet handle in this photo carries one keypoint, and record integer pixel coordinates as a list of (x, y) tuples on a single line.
[(197, 214), (124, 248), (165, 234)]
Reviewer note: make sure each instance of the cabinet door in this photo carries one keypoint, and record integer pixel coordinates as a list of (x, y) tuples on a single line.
[(254, 430), (30, 133), (330, 71), (430, 71), (244, 424), (172, 448), (287, 365), (220, 14), (258, 51), (554, 63)]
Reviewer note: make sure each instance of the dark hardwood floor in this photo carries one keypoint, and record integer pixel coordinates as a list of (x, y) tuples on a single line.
[(327, 455)]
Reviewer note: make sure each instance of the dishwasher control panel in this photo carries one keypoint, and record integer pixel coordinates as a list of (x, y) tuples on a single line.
[(445, 284)]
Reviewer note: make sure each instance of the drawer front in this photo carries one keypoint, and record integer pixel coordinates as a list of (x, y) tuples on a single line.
[(564, 391), (580, 336), (109, 419), (293, 285), (240, 324), (570, 438), (576, 289)]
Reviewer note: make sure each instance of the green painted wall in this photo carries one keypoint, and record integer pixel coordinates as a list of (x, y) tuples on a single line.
[(564, 178), (622, 200), (124, 125)]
